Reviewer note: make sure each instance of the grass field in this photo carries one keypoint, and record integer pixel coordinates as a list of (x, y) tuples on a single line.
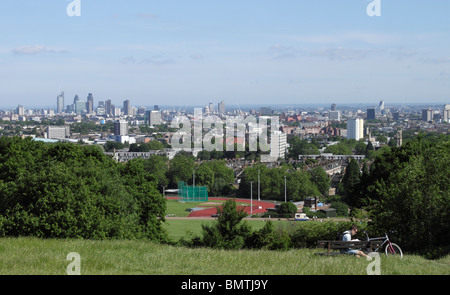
[(33, 256), (179, 228), (178, 209)]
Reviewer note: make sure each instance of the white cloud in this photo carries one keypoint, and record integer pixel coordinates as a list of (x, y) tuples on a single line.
[(341, 53), (154, 60), (35, 49), (29, 50), (368, 38)]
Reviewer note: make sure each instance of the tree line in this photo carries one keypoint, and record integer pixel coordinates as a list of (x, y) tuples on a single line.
[(406, 190)]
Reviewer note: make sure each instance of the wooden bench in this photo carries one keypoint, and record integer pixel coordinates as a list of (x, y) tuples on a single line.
[(340, 245)]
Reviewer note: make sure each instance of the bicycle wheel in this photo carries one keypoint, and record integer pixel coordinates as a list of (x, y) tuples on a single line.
[(393, 250)]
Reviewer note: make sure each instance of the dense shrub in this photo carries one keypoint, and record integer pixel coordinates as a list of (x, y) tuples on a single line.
[(408, 192), (64, 190)]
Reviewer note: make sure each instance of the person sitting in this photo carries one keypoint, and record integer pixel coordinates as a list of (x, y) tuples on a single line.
[(347, 236)]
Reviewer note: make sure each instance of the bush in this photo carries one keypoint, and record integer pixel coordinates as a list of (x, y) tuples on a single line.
[(307, 234), (68, 191), (227, 233)]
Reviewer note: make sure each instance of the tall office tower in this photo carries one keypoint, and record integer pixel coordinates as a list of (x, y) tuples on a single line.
[(141, 111), (156, 107), (371, 114), (333, 107), (76, 99), (101, 108), (381, 105), (221, 107), (355, 128), (335, 115), (447, 113), (278, 144), (60, 103), (20, 110), (211, 108), (154, 118), (427, 115), (90, 104), (126, 107), (121, 127), (108, 110), (80, 107), (115, 111), (396, 116)]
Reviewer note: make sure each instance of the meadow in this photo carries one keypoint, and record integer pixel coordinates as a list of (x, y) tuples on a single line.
[(33, 256)]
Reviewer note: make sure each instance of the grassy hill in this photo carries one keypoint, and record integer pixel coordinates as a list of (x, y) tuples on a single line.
[(34, 256)]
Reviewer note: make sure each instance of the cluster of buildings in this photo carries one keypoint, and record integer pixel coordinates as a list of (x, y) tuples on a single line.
[(348, 122)]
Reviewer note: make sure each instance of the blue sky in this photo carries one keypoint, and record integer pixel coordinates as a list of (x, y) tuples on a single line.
[(192, 52)]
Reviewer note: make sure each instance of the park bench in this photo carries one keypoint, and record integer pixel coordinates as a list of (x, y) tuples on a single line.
[(340, 245)]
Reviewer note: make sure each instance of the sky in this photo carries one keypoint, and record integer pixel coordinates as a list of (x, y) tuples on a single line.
[(192, 52)]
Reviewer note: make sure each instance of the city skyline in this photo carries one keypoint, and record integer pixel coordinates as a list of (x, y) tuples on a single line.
[(251, 52)]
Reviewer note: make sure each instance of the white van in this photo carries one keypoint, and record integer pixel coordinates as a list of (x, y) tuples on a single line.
[(301, 217)]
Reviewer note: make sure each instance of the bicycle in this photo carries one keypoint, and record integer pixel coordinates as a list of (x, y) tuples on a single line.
[(391, 248)]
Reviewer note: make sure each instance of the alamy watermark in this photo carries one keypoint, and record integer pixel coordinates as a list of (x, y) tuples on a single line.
[(239, 130), (374, 8), (74, 267), (74, 8), (374, 267)]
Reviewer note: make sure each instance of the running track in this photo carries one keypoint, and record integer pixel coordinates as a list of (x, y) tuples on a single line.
[(211, 209)]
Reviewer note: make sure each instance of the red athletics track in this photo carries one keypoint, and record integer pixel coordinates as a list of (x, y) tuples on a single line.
[(210, 210)]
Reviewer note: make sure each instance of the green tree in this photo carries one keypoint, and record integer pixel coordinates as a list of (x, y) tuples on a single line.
[(65, 190), (157, 166), (181, 169), (351, 181), (320, 178), (409, 191), (287, 209), (223, 177), (299, 146), (228, 232)]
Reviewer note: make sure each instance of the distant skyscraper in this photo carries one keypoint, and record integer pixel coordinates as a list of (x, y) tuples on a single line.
[(154, 118), (156, 107), (90, 104), (211, 108), (60, 103), (20, 110), (278, 144), (396, 116), (76, 99), (371, 114), (101, 108), (121, 127), (355, 128), (333, 107), (427, 115), (335, 115), (108, 108), (381, 105), (80, 107), (447, 113), (126, 107), (221, 107)]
